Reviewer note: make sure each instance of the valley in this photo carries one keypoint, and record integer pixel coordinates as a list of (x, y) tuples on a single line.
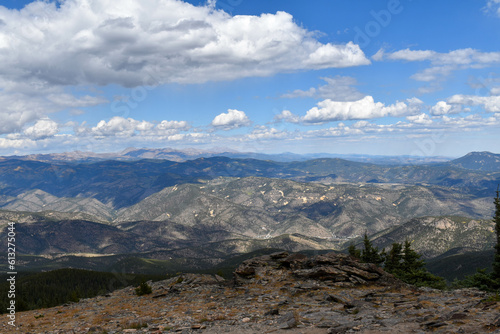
[(158, 215)]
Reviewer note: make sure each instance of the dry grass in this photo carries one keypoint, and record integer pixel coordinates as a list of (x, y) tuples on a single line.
[(428, 304)]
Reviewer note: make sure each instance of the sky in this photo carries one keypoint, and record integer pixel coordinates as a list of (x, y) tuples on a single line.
[(381, 77)]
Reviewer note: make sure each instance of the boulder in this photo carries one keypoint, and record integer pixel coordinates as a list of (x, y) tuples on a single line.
[(332, 267)]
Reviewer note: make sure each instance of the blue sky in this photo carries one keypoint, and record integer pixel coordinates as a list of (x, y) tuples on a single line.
[(393, 77)]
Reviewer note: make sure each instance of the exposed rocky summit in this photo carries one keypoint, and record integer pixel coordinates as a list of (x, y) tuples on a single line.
[(332, 269), (277, 293)]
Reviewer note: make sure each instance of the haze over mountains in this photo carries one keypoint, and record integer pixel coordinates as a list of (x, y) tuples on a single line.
[(180, 155), (199, 212)]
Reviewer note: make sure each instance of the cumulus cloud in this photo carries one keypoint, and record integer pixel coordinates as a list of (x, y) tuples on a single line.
[(442, 64), (13, 117), (415, 127), (489, 103), (456, 57), (264, 132), (361, 124), (287, 116), (366, 108), (43, 128), (7, 143), (407, 55), (423, 118), (129, 127), (173, 125), (443, 108), (470, 122), (48, 47), (137, 42), (339, 88), (146, 133), (21, 104), (231, 120), (116, 126), (329, 55)]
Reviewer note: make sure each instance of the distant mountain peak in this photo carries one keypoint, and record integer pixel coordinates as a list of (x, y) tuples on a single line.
[(481, 153), (483, 161)]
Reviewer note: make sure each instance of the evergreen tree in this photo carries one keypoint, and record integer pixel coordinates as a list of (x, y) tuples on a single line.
[(143, 289), (411, 259), (413, 270), (370, 254), (353, 251), (393, 259), (496, 261), (481, 279)]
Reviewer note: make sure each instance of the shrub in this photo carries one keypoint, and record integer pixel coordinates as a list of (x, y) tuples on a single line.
[(143, 289)]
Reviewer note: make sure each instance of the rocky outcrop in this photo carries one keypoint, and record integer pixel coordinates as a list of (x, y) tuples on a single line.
[(278, 293), (331, 269)]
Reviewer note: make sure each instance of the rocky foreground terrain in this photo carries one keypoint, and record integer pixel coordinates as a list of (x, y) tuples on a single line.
[(278, 293)]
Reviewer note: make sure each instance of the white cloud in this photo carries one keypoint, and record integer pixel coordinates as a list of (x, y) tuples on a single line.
[(147, 134), (338, 88), (173, 125), (129, 127), (160, 41), (231, 120), (420, 119), (489, 103), (264, 132), (361, 124), (432, 74), (23, 103), (456, 57), (14, 116), (411, 55), (329, 55), (416, 126), (116, 126), (442, 63), (287, 116), (47, 49), (493, 6), (443, 108), (366, 108), (70, 101), (379, 56), (43, 128), (6, 143), (470, 122)]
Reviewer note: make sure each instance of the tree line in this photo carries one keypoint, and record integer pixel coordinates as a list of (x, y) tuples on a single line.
[(406, 264), (401, 261), (52, 288), (481, 279)]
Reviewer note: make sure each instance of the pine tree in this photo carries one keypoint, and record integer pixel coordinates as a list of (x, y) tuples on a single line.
[(143, 289), (481, 279), (353, 251), (404, 263), (411, 259), (393, 259), (370, 254), (496, 219)]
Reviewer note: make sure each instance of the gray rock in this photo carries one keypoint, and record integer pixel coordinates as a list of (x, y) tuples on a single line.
[(338, 330), (287, 321)]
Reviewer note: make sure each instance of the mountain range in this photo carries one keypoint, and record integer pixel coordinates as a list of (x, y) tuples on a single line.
[(180, 155), (198, 213), (124, 183)]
